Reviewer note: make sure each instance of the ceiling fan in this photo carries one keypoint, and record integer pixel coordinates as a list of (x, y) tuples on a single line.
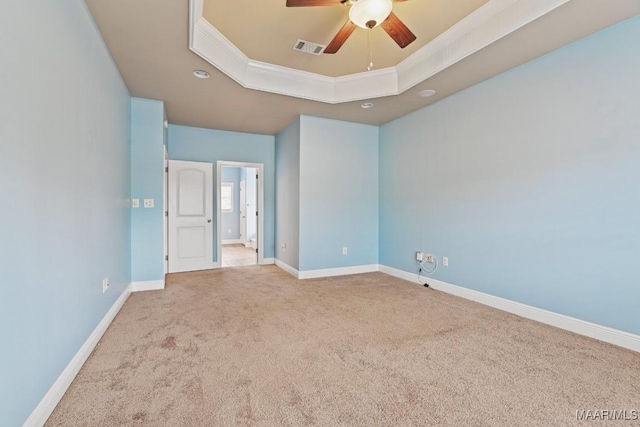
[(366, 14)]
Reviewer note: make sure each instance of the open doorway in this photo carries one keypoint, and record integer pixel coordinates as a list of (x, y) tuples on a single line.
[(239, 202)]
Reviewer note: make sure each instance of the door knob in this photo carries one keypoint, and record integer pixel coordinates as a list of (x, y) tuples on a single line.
[(208, 220)]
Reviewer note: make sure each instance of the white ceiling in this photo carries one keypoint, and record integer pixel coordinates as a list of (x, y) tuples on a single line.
[(149, 41)]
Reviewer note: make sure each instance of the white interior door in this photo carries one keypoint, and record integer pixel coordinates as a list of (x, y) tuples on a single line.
[(190, 216), (243, 212)]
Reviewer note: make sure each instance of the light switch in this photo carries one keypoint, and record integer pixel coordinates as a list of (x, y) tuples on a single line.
[(148, 203), (135, 203)]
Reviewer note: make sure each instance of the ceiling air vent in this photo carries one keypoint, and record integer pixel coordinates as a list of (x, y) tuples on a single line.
[(308, 47)]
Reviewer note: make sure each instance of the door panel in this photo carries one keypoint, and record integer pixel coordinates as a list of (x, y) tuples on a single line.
[(190, 216), (191, 242), (191, 192)]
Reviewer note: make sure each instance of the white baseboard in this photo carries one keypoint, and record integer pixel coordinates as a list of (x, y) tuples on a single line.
[(400, 274), (149, 285), (231, 241), (48, 403), (268, 261), (340, 271), (581, 327), (286, 267)]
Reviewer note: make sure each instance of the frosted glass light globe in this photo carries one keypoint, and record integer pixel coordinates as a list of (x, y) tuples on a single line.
[(369, 11)]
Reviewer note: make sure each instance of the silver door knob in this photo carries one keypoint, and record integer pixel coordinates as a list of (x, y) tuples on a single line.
[(208, 220)]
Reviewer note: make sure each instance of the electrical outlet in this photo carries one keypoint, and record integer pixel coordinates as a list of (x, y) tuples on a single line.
[(135, 203), (148, 203), (419, 256), (105, 284), (344, 250), (283, 246), (431, 259), (445, 261)]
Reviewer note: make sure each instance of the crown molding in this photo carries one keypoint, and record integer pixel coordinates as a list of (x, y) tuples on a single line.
[(489, 23)]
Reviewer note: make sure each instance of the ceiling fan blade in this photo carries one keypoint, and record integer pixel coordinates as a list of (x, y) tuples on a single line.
[(341, 37), (399, 32), (305, 3)]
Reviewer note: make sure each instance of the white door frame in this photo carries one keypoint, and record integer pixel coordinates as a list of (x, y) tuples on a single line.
[(260, 192), (243, 212), (165, 211)]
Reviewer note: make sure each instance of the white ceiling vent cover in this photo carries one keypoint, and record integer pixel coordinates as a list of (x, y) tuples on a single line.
[(308, 47)]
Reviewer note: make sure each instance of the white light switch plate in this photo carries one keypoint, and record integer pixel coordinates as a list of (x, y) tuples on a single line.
[(135, 203), (148, 203)]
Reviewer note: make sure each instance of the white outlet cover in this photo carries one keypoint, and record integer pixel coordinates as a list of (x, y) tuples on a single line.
[(148, 203), (135, 203), (344, 250)]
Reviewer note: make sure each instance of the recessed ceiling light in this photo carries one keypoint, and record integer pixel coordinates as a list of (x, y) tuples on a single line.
[(367, 105), (201, 74), (426, 93)]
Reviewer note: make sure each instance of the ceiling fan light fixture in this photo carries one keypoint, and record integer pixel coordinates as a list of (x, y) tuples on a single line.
[(370, 13)]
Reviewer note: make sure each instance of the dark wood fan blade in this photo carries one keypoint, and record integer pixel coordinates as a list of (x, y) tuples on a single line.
[(399, 32), (341, 37), (306, 3)]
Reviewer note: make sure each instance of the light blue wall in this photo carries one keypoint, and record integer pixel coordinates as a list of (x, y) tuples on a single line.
[(288, 194), (64, 149), (208, 145), (338, 193), (147, 175), (231, 220), (528, 182)]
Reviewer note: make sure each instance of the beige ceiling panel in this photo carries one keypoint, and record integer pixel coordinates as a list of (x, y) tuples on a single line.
[(149, 43), (267, 31)]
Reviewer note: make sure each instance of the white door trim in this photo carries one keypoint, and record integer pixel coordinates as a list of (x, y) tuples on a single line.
[(243, 212), (165, 211), (260, 190)]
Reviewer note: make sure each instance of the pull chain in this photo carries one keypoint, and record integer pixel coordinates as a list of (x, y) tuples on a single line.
[(370, 47)]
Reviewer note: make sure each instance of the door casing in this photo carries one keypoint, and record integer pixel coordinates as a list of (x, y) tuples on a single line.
[(260, 205)]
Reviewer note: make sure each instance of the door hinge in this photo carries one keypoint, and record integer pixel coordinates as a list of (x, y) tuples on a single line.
[(256, 213), (256, 250), (166, 213), (166, 257), (256, 176), (166, 169)]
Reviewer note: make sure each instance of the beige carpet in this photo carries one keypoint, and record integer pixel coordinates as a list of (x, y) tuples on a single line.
[(253, 346)]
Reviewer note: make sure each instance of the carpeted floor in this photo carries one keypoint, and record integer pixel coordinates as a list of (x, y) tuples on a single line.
[(254, 346)]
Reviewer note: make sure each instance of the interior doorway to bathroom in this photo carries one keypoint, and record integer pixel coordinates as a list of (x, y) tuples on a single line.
[(239, 205)]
